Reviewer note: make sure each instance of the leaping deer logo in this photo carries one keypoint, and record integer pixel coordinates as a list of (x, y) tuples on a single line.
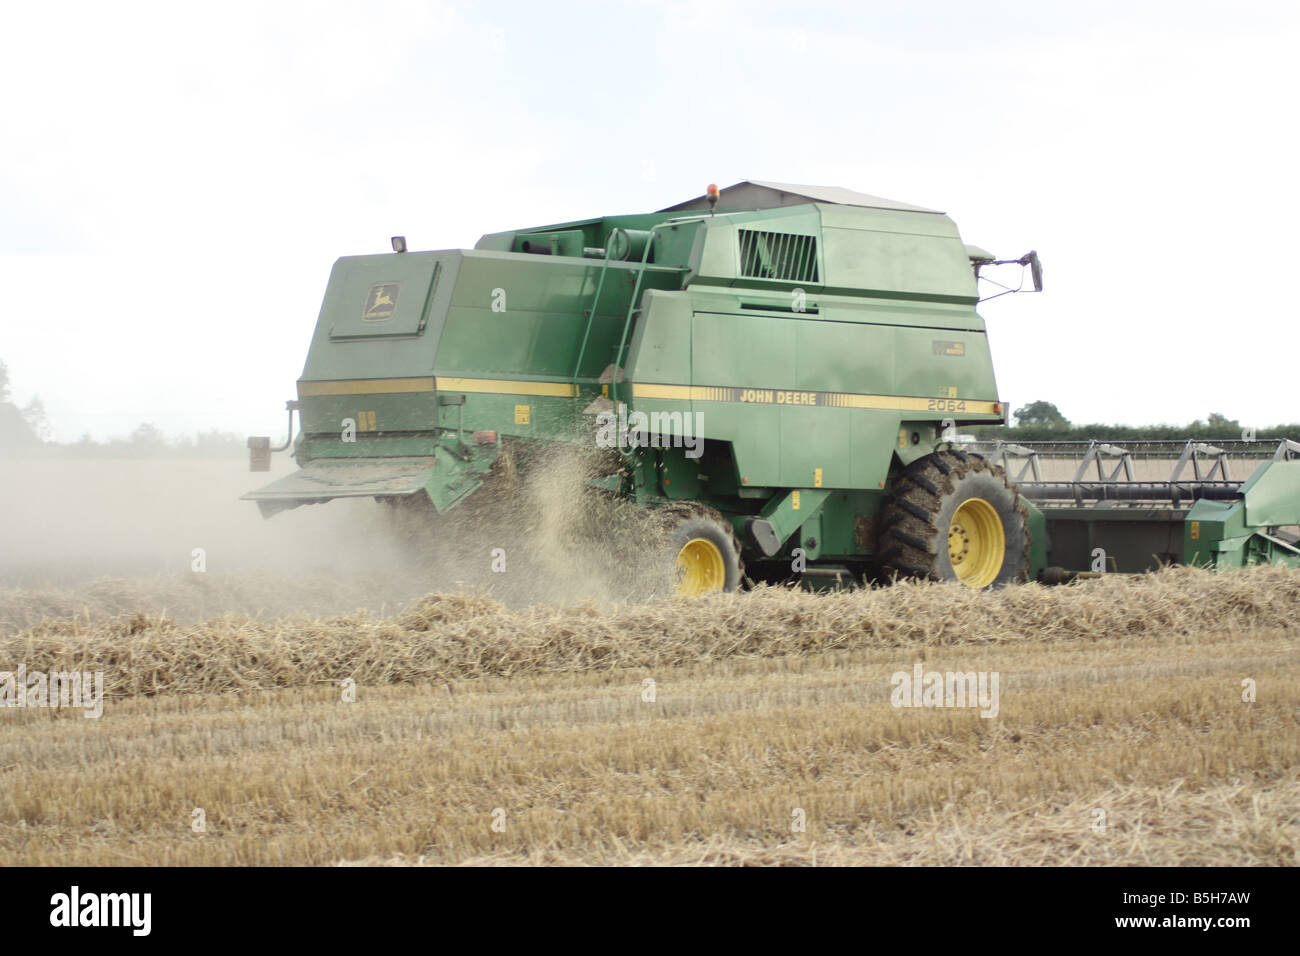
[(382, 302)]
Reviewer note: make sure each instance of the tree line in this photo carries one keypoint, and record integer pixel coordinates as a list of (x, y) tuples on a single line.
[(27, 431), (1043, 421)]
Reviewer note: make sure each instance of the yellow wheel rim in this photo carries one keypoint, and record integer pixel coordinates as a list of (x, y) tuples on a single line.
[(700, 568), (977, 544)]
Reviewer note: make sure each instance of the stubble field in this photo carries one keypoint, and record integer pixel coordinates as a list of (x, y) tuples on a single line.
[(757, 728)]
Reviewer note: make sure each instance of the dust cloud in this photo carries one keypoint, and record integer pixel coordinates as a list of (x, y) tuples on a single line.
[(96, 537)]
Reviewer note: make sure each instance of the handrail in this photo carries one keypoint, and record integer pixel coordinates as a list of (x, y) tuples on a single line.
[(591, 315), (632, 310)]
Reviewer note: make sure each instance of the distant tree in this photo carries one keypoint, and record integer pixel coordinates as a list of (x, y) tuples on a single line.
[(36, 419), (215, 443), (148, 437), (1040, 413), (15, 432), (1221, 423)]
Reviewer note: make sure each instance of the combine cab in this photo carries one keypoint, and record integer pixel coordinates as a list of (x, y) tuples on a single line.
[(778, 369)]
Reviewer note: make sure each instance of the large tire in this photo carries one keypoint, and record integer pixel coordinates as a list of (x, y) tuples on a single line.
[(704, 552), (953, 516)]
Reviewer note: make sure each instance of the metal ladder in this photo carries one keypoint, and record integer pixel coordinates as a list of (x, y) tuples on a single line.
[(632, 310)]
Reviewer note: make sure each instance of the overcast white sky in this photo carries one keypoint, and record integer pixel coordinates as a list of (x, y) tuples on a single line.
[(177, 179)]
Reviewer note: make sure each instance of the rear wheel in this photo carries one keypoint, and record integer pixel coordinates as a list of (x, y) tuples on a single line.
[(953, 516), (704, 552)]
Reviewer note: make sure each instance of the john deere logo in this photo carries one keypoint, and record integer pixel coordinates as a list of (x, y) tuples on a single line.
[(381, 302)]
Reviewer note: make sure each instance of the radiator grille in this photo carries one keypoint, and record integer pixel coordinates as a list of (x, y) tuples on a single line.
[(778, 255)]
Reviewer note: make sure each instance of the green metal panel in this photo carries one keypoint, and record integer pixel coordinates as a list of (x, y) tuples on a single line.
[(367, 302), (1222, 534), (814, 452), (1272, 494), (408, 412), (943, 364), (848, 524), (1207, 524), (842, 356), (525, 315), (716, 254), (811, 537), (920, 222), (872, 439), (1132, 539), (514, 315), (743, 351), (398, 347), (752, 434), (1038, 540), (901, 257), (661, 348), (368, 447), (788, 512)]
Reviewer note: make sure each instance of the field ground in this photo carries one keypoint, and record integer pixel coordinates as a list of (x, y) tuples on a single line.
[(1121, 735)]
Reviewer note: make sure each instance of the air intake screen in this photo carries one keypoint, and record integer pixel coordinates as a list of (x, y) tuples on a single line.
[(778, 255)]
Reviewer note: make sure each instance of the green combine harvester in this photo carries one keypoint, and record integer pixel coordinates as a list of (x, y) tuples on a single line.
[(783, 370)]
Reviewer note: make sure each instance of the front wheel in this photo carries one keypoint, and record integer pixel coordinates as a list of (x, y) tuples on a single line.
[(953, 516)]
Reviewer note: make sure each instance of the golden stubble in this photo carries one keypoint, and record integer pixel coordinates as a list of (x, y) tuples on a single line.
[(1121, 695)]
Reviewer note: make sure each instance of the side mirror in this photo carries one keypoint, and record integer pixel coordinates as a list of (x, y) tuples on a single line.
[(1035, 268), (1030, 259)]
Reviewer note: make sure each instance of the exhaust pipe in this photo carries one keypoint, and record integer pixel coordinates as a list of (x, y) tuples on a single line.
[(259, 446)]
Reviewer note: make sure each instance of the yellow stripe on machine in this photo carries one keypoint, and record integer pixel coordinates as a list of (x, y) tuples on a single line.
[(500, 386), (684, 393), (807, 399), (390, 386), (697, 393), (903, 404), (365, 386)]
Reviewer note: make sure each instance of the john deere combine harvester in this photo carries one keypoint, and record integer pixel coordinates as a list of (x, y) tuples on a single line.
[(780, 368)]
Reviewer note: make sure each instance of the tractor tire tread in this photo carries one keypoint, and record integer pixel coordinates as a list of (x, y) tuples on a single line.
[(908, 540)]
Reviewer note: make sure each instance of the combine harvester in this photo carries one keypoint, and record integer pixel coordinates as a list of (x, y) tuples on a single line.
[(780, 369)]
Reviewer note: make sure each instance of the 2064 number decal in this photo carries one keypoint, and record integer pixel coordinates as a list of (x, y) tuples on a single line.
[(947, 405)]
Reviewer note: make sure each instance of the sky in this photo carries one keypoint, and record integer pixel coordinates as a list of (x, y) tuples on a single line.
[(177, 179)]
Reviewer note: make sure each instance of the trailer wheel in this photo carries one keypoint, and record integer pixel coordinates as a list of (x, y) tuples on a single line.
[(953, 516), (704, 552)]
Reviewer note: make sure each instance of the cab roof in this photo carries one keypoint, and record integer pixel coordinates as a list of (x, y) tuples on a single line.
[(762, 194)]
